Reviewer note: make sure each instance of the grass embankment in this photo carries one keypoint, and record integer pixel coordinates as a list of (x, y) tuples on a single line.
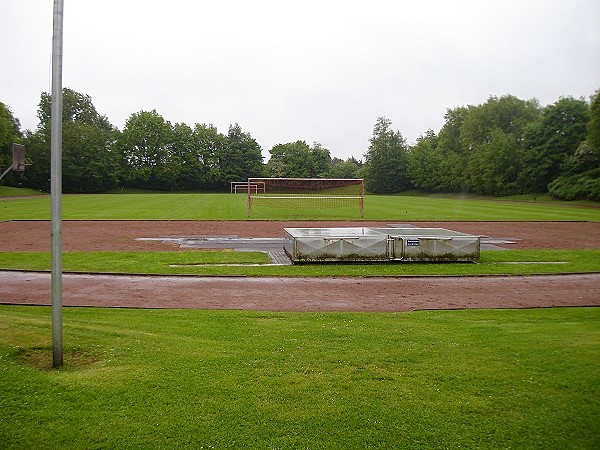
[(509, 262), (396, 208), (233, 379), (8, 191)]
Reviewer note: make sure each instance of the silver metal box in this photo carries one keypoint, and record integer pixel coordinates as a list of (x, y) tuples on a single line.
[(356, 244)]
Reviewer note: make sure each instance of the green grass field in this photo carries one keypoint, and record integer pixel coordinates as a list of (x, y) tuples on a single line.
[(403, 208), (241, 379), (399, 208), (509, 262), (233, 379)]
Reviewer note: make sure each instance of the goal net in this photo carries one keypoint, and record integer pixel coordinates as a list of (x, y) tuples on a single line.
[(306, 193)]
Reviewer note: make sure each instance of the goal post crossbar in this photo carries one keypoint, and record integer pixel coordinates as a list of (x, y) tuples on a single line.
[(333, 197)]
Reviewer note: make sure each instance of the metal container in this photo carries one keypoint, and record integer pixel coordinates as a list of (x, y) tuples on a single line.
[(362, 244)]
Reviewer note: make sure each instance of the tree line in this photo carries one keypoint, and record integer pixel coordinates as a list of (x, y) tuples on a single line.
[(504, 146), (149, 153), (501, 147)]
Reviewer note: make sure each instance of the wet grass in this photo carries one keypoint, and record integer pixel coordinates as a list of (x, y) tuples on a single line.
[(153, 206), (228, 263), (237, 379)]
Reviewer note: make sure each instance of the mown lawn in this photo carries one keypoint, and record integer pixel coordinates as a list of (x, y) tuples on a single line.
[(508, 262), (237, 379), (403, 208)]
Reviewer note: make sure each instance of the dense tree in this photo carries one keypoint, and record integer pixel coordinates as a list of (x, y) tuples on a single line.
[(549, 142), (425, 163), (183, 151), (196, 151), (451, 170), (37, 149), (493, 167), (449, 137), (593, 130), (351, 168), (490, 135), (585, 185), (90, 162), (507, 114), (157, 155), (289, 160), (209, 144), (146, 144), (386, 160), (77, 108), (299, 160), (321, 161), (477, 149), (240, 158), (10, 133), (580, 177), (502, 146)]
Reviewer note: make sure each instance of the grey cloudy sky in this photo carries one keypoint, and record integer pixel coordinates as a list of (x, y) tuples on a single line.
[(319, 70)]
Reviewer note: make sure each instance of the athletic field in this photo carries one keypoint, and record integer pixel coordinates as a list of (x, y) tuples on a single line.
[(249, 377)]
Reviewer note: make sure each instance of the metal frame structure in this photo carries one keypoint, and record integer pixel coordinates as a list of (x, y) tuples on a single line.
[(242, 187), (307, 188)]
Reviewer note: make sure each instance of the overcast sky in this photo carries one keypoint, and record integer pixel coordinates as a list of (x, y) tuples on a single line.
[(308, 70)]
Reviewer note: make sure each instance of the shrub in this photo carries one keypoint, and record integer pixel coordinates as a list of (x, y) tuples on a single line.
[(585, 186)]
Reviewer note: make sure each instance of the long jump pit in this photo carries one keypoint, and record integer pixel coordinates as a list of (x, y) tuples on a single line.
[(292, 294)]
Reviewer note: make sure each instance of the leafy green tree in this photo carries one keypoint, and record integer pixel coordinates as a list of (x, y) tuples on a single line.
[(10, 133), (549, 142), (290, 160), (507, 114), (90, 161), (149, 160), (351, 168), (593, 129), (386, 160), (197, 152), (183, 151), (476, 148), (507, 145), (240, 158), (77, 108), (37, 149), (494, 165), (299, 160), (581, 175), (424, 162), (209, 145), (449, 137), (449, 176), (321, 161), (490, 136)]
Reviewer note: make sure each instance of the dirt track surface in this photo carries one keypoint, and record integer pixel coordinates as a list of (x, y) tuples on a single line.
[(305, 294), (285, 294), (121, 235)]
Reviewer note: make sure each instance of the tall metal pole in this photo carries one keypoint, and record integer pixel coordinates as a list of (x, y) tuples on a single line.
[(56, 184)]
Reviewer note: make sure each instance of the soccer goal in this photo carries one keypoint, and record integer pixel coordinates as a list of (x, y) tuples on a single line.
[(244, 187), (307, 193)]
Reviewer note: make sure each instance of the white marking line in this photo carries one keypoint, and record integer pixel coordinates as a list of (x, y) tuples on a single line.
[(227, 265), (532, 262)]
